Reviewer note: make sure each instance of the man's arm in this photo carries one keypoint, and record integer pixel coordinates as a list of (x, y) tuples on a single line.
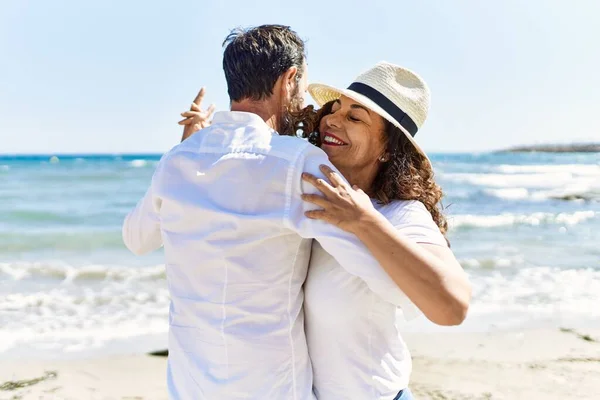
[(141, 228), (345, 247)]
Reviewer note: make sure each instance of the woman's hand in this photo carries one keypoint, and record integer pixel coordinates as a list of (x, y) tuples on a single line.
[(343, 206), (195, 118)]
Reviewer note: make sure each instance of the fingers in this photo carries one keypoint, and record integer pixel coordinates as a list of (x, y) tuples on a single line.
[(199, 97), (317, 214), (186, 121), (195, 107), (335, 179), (355, 187), (191, 114), (320, 184), (315, 199), (210, 111), (199, 114)]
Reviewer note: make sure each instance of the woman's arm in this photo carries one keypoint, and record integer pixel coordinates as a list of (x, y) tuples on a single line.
[(428, 274), (196, 119), (347, 249)]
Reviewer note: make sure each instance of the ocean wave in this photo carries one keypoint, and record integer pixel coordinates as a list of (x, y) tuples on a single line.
[(507, 219), (530, 181), (580, 182), (573, 192), (76, 315), (508, 194), (63, 272), (490, 263), (574, 169), (138, 163), (61, 241), (538, 290), (77, 308)]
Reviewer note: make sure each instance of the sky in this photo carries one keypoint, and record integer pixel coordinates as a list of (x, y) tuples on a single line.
[(112, 76)]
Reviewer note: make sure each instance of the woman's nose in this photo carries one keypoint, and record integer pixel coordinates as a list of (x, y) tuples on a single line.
[(332, 121)]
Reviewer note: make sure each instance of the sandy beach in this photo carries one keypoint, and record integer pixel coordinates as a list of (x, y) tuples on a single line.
[(534, 364)]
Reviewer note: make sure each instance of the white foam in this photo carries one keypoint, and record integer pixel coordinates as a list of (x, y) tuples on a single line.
[(540, 181), (529, 181), (509, 194), (80, 308), (574, 169), (492, 262), (92, 310), (538, 290), (508, 219), (68, 273), (577, 191), (138, 163)]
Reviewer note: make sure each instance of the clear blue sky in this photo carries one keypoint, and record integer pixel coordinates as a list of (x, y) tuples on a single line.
[(112, 76)]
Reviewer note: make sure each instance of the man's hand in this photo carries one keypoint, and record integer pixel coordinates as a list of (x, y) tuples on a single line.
[(195, 118)]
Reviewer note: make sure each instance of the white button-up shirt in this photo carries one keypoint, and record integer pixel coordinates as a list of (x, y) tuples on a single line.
[(226, 205)]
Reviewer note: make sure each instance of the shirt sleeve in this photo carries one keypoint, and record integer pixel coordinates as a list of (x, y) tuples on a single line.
[(345, 247), (415, 222), (141, 228)]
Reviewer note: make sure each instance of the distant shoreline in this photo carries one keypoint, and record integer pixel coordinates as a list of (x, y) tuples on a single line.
[(555, 148)]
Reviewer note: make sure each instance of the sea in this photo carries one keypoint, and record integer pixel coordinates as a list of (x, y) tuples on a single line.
[(525, 227)]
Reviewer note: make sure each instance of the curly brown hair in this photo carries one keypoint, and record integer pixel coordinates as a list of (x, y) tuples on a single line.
[(407, 175)]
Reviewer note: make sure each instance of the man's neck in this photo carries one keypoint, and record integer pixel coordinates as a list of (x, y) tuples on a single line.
[(264, 109)]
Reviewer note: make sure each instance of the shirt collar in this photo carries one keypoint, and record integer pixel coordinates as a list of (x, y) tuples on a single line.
[(241, 118)]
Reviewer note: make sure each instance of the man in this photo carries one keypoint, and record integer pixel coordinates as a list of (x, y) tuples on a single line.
[(226, 204)]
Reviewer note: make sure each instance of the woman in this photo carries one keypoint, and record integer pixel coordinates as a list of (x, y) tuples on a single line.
[(389, 200)]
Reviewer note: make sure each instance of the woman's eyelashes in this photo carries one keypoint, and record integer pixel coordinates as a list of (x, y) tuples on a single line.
[(349, 115)]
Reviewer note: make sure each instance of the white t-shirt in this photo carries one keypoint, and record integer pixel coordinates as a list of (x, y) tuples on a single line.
[(353, 338)]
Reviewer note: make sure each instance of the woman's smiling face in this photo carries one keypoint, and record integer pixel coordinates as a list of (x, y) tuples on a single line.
[(353, 138)]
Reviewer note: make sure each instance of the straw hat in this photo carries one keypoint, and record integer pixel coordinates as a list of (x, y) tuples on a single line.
[(395, 93)]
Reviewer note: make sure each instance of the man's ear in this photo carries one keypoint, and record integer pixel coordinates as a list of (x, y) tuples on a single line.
[(289, 82)]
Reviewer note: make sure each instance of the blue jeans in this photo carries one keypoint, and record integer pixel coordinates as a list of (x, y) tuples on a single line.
[(404, 395)]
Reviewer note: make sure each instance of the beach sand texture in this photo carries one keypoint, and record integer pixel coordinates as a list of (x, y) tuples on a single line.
[(536, 364)]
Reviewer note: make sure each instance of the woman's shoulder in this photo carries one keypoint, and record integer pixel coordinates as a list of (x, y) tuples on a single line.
[(413, 220), (399, 210)]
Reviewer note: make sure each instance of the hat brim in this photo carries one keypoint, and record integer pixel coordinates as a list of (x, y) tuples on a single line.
[(323, 94)]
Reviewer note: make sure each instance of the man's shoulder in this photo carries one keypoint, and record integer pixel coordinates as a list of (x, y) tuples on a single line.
[(288, 147), (214, 139), (300, 148)]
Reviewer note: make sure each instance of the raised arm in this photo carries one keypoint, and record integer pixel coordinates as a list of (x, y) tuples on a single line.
[(345, 247), (196, 119), (419, 263)]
